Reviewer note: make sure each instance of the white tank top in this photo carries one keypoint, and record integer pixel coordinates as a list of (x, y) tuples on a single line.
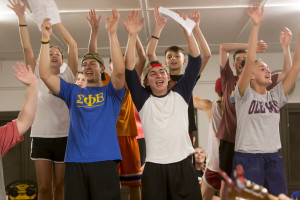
[(212, 162)]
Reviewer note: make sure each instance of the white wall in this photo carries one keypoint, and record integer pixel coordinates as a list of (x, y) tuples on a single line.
[(12, 92)]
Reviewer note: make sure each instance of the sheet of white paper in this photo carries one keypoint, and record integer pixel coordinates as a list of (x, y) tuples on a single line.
[(188, 24), (42, 9)]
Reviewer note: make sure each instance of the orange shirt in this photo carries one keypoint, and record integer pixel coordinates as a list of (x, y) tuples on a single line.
[(106, 79), (138, 124), (126, 125)]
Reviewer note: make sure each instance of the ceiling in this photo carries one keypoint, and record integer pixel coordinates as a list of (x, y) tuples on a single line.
[(221, 21)]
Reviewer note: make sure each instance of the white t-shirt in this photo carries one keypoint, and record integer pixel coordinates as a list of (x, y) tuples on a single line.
[(52, 114), (258, 117), (165, 124)]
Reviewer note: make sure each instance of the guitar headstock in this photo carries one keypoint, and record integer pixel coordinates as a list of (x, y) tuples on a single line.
[(243, 188)]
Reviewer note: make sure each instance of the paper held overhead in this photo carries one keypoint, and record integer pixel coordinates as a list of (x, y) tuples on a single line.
[(187, 24), (44, 9)]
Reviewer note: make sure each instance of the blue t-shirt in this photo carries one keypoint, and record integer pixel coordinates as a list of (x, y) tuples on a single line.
[(93, 116)]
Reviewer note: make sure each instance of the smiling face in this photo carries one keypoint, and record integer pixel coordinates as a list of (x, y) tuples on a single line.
[(262, 74), (200, 155), (55, 57), (175, 61), (92, 70), (81, 80), (157, 78), (238, 63)]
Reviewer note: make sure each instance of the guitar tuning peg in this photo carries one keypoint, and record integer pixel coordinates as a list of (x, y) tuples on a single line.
[(248, 183), (264, 191), (256, 187)]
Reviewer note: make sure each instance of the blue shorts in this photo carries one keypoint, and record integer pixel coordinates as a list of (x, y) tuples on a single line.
[(265, 169)]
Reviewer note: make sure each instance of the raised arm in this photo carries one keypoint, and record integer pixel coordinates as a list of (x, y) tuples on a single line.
[(204, 105), (118, 73), (94, 23), (291, 76), (27, 112), (133, 27), (72, 47), (204, 48), (226, 48), (192, 45), (19, 9), (257, 16), (141, 56), (139, 50), (152, 44), (51, 80), (285, 41)]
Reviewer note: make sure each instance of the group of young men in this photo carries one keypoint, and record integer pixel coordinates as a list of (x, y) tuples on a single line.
[(103, 118)]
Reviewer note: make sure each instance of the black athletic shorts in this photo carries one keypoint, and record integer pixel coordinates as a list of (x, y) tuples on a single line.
[(52, 149), (170, 181), (226, 152), (142, 148), (92, 181)]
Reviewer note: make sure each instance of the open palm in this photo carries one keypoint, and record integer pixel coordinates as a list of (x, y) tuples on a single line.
[(25, 75), (17, 7), (132, 25), (112, 25), (256, 13)]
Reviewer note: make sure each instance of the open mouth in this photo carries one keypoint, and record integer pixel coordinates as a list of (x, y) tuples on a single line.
[(89, 73), (158, 83)]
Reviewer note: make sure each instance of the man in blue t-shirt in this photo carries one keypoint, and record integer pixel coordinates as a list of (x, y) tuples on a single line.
[(92, 150)]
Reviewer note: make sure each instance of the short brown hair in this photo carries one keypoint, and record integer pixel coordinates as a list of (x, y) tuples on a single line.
[(238, 52), (175, 49), (58, 48)]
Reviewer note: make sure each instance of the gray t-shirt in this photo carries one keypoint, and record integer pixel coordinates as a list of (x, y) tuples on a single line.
[(258, 119)]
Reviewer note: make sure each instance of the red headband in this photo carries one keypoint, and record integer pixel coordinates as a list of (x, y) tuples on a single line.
[(156, 65)]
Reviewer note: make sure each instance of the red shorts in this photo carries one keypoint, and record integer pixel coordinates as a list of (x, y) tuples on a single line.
[(130, 166), (212, 179)]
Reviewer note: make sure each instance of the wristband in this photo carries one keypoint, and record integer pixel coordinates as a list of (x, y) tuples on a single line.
[(155, 37), (22, 25), (45, 41)]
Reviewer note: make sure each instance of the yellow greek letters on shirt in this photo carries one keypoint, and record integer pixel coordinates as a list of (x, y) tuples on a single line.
[(80, 100), (100, 97), (90, 100)]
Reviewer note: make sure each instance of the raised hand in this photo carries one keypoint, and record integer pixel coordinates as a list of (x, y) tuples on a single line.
[(17, 7), (286, 37), (183, 15), (93, 20), (112, 25), (46, 29), (261, 46), (195, 17), (25, 75), (132, 25), (256, 13), (160, 21)]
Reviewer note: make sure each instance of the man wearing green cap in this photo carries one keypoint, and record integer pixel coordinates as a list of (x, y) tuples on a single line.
[(92, 150)]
